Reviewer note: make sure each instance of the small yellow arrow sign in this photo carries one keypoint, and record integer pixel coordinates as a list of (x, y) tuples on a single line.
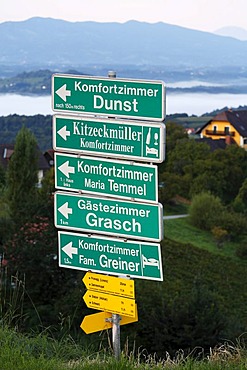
[(110, 303), (98, 321), (109, 284)]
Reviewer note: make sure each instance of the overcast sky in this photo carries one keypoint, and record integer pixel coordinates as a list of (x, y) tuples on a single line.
[(205, 15)]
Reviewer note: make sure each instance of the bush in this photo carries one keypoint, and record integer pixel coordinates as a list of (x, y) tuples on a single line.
[(205, 211), (234, 223), (219, 235)]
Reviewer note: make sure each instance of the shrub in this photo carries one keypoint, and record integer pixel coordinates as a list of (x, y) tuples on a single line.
[(219, 235), (205, 211), (234, 223)]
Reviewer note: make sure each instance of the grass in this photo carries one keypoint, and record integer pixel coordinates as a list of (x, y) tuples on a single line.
[(21, 352), (182, 231), (182, 264)]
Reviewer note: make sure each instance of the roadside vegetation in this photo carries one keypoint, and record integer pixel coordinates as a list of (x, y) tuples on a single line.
[(20, 352), (195, 319)]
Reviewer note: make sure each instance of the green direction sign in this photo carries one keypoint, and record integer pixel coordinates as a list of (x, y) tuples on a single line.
[(111, 97), (110, 256), (141, 141), (98, 215), (117, 179)]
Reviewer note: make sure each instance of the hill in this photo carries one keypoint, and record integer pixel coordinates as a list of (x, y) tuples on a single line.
[(39, 83), (160, 47), (236, 32)]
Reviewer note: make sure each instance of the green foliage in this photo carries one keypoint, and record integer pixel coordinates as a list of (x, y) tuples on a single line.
[(201, 301), (22, 177), (219, 235), (241, 251), (234, 223), (32, 254), (222, 173), (240, 202), (11, 298), (37, 352), (181, 162), (195, 169), (2, 177), (200, 289), (205, 211), (168, 187), (182, 321), (45, 195), (6, 222), (182, 231), (39, 125), (174, 133)]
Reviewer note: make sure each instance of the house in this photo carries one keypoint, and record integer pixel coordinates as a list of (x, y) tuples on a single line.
[(229, 125), (6, 151)]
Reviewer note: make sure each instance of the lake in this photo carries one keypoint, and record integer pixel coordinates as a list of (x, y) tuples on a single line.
[(190, 103)]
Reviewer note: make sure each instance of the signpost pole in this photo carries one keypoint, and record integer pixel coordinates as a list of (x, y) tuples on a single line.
[(116, 335), (115, 317)]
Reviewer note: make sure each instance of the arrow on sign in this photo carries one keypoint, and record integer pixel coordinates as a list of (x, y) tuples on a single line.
[(66, 169), (99, 321), (63, 132), (65, 210), (62, 92), (70, 250)]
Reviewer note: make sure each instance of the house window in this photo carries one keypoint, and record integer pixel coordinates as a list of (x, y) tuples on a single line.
[(214, 129), (227, 130), (245, 141)]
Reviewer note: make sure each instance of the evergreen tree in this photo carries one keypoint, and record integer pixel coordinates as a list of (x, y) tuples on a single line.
[(22, 177)]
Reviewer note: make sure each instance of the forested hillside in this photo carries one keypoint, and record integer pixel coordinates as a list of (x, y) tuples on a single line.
[(40, 125), (39, 82), (202, 300)]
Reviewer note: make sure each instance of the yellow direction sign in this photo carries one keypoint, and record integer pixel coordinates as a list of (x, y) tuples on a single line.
[(99, 321), (110, 303), (109, 284)]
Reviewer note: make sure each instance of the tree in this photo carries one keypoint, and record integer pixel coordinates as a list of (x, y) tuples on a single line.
[(174, 133), (240, 202), (2, 177), (32, 256), (182, 162), (5, 220), (233, 161), (45, 196), (22, 177), (169, 185)]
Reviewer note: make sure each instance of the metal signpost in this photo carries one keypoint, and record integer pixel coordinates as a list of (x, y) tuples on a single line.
[(131, 140), (108, 255), (98, 215), (103, 198), (117, 179), (138, 99)]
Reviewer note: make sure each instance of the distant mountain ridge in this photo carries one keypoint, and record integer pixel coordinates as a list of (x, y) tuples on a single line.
[(236, 32), (53, 43)]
